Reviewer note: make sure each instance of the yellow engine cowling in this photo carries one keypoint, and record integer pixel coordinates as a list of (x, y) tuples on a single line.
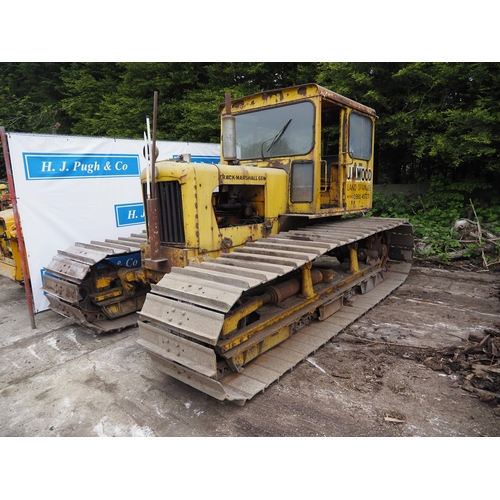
[(10, 257), (206, 210)]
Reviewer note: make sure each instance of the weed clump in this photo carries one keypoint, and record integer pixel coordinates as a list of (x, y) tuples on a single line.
[(452, 221)]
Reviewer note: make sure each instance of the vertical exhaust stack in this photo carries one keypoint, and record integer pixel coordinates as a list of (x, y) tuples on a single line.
[(229, 133), (155, 261), (153, 221)]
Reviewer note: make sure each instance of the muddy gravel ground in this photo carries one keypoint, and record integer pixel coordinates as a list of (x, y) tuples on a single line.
[(387, 374)]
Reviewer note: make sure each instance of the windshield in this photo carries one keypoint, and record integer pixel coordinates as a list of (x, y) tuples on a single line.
[(282, 131)]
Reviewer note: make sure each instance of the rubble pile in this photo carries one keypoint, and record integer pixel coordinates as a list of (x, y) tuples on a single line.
[(477, 364), (475, 242)]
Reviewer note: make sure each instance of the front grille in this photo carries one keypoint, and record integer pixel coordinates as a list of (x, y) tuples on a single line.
[(171, 215)]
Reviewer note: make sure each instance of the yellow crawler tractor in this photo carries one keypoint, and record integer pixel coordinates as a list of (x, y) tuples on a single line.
[(10, 256), (252, 264)]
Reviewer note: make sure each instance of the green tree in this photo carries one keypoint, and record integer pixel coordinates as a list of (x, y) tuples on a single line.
[(437, 121), (435, 118), (87, 88), (199, 111), (30, 95)]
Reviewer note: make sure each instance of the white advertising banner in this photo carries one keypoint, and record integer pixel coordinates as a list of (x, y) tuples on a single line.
[(76, 189)]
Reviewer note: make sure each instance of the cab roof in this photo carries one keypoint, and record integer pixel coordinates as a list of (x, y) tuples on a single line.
[(289, 94)]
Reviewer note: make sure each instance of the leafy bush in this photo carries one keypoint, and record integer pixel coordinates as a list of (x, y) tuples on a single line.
[(434, 214)]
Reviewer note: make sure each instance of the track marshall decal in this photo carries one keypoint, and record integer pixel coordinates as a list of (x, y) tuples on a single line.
[(41, 166), (242, 177)]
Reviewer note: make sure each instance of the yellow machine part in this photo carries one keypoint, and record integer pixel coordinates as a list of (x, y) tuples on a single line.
[(10, 257), (327, 147), (293, 161), (230, 326), (204, 192), (243, 256)]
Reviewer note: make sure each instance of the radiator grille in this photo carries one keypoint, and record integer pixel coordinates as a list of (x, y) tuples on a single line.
[(171, 218), (171, 215)]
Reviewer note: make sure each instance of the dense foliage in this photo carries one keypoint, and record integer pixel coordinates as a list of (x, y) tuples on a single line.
[(435, 118), (438, 122), (451, 222)]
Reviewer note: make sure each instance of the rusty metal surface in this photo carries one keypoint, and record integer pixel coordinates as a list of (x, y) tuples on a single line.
[(261, 273), (83, 255), (62, 289), (283, 252), (127, 246), (67, 268), (264, 261), (99, 326), (190, 354), (17, 221), (270, 366), (272, 269), (75, 262), (199, 291), (279, 260), (186, 319), (272, 247), (312, 89), (200, 382), (67, 271), (204, 272), (253, 265)]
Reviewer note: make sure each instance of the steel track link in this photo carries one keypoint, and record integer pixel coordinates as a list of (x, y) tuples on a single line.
[(182, 317), (65, 279)]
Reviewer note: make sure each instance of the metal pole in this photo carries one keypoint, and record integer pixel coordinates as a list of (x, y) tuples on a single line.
[(153, 152), (152, 204), (17, 221)]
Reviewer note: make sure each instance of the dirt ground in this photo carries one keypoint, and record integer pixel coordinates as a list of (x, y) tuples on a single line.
[(396, 371)]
